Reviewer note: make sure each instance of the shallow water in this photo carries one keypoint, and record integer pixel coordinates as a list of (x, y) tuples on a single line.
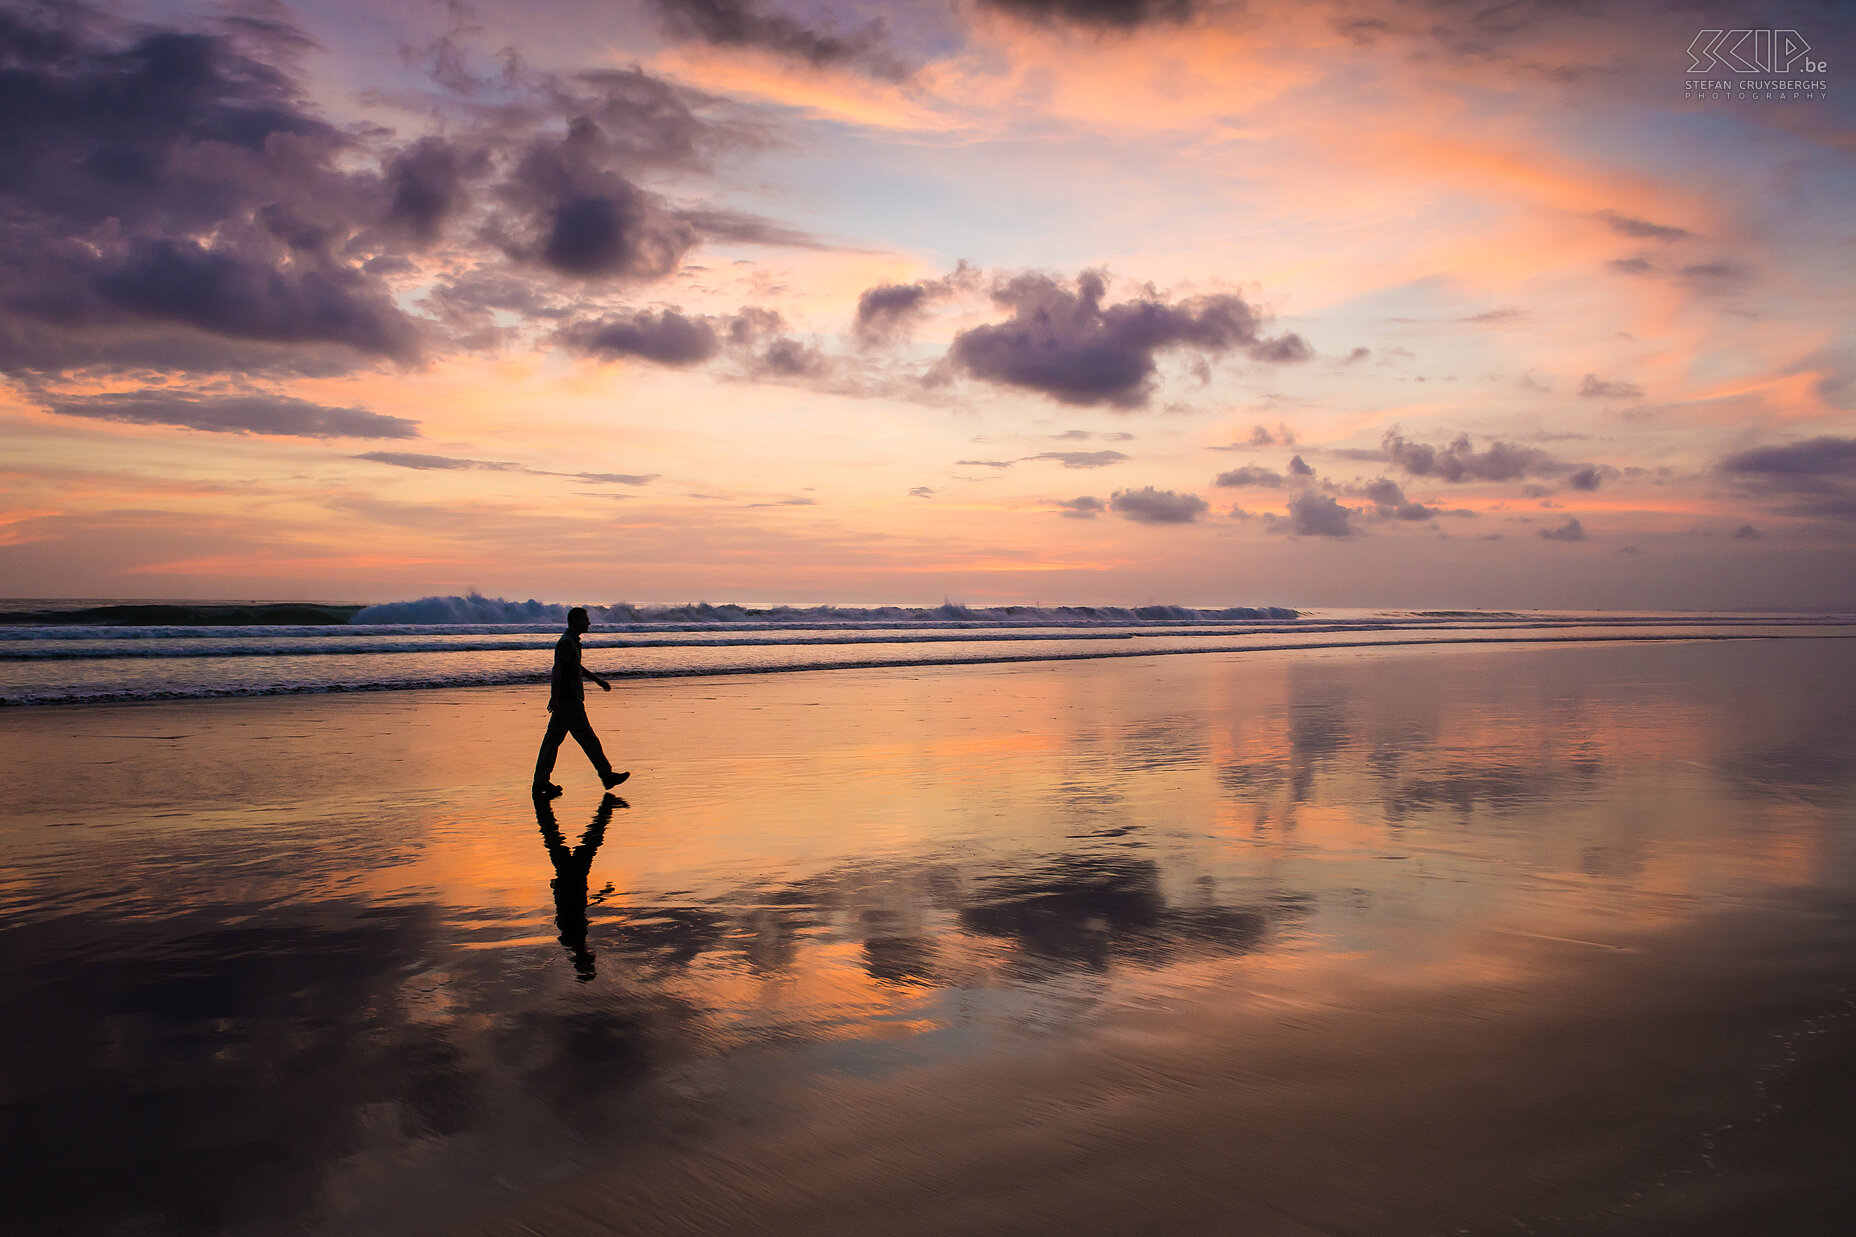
[(318, 964)]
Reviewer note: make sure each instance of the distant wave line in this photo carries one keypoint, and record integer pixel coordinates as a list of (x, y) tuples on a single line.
[(511, 678)]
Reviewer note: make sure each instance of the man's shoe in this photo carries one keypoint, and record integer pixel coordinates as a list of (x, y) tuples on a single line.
[(613, 779), (545, 790)]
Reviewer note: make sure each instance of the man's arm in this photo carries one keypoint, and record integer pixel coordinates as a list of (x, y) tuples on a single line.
[(603, 685)]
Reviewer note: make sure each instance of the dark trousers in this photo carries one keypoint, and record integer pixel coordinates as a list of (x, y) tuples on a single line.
[(569, 720)]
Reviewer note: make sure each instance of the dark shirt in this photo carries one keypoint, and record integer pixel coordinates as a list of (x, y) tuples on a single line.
[(565, 690)]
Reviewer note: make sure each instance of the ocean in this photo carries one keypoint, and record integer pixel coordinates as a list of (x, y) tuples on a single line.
[(100, 651)]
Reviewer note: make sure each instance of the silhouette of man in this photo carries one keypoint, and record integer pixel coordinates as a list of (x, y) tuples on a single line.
[(567, 704), (571, 868)]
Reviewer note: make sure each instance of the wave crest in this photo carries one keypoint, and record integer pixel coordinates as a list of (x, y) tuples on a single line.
[(476, 608)]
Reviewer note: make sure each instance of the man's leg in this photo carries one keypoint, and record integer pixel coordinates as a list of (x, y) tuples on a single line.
[(582, 731), (558, 725)]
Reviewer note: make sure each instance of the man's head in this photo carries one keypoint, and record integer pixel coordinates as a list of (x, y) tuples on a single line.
[(577, 621)]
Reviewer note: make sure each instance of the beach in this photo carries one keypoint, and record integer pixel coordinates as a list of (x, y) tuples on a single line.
[(1375, 940)]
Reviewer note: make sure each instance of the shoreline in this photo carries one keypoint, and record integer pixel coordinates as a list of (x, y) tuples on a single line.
[(516, 678)]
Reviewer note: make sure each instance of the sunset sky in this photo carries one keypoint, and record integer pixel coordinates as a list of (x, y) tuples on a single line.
[(1388, 303)]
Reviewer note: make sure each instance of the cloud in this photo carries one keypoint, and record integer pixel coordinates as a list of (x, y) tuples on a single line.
[(1262, 436), (427, 180), (1299, 467), (745, 23), (1150, 506), (922, 491), (887, 311), (1631, 266), (1571, 530), (1815, 477), (579, 218), (1250, 477), (1746, 532), (665, 337), (612, 478), (1716, 277), (1587, 478), (1594, 387), (1081, 459), (1459, 462), (275, 415), (745, 229), (1389, 502), (1099, 14), (1314, 514), (1084, 508), (1066, 345), (428, 463), (1641, 229), (171, 203), (231, 296), (451, 463)]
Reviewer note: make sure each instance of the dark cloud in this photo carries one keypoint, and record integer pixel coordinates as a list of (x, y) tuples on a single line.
[(1822, 457), (1099, 14), (883, 311), (985, 463), (1746, 532), (1083, 508), (167, 201), (788, 358), (276, 415), (1150, 506), (1815, 477), (665, 337), (1299, 467), (1631, 266), (1716, 277), (1356, 354), (1250, 477), (922, 491), (1314, 514), (1501, 461), (1587, 478), (427, 184), (613, 478), (1641, 229), (1571, 530), (746, 23), (234, 297), (886, 312), (578, 217), (746, 229), (1389, 502), (1594, 387), (1081, 459), (427, 463), (1066, 345), (430, 463), (1262, 436), (753, 335)]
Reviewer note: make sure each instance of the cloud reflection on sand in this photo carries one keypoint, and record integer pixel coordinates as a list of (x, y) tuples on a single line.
[(288, 1001)]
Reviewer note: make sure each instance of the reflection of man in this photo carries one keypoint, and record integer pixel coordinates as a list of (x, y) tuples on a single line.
[(571, 868), (567, 704)]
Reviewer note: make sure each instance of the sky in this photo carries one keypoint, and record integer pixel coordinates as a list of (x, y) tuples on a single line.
[(1408, 303)]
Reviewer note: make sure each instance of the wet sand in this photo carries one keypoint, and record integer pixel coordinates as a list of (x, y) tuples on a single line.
[(1393, 941)]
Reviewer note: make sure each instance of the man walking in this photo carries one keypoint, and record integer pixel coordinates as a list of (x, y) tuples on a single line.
[(567, 705)]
